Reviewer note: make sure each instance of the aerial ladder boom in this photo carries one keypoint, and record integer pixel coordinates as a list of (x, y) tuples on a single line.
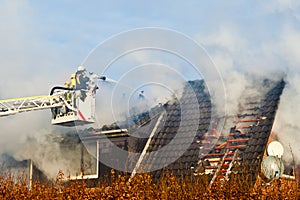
[(18, 105), (69, 106)]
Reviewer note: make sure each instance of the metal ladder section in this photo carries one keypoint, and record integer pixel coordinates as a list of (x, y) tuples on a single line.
[(18, 105), (220, 160)]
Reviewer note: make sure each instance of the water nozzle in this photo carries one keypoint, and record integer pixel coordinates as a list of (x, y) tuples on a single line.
[(102, 78)]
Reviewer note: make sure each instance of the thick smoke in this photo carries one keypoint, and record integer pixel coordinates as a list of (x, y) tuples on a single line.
[(242, 63), (31, 66), (287, 126), (48, 154), (137, 92)]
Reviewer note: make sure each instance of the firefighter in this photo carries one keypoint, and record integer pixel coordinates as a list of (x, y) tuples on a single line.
[(73, 81), (81, 81), (67, 84), (81, 78), (68, 93)]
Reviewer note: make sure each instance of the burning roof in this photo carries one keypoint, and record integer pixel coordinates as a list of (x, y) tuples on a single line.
[(178, 147), (184, 137)]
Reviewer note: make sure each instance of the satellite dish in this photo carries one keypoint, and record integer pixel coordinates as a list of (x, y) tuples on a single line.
[(275, 148), (271, 168)]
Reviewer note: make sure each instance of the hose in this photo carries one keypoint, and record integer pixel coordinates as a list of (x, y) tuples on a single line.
[(60, 88), (65, 102)]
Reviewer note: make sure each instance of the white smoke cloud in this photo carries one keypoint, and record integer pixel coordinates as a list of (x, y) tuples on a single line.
[(287, 127), (47, 154), (268, 45), (116, 101), (30, 66), (240, 61)]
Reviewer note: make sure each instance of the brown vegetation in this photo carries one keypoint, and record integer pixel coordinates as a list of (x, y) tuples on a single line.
[(142, 186)]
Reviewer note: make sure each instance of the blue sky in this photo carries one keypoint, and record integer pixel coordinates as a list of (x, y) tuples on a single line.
[(64, 32), (63, 22), (42, 42)]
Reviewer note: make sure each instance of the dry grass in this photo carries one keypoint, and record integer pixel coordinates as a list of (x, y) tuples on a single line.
[(143, 187)]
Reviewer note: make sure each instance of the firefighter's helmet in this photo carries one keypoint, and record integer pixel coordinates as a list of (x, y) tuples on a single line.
[(81, 68)]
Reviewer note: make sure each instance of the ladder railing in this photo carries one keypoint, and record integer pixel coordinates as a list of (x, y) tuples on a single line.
[(231, 164), (218, 169), (17, 105), (220, 160)]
